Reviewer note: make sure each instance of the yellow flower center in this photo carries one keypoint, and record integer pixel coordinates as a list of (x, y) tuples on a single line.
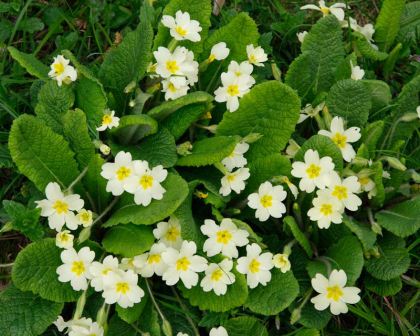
[(211, 58), (325, 10), (78, 268), (172, 234), (122, 287), (85, 216), (171, 87), (181, 31), (266, 201), (146, 181), (233, 90), (106, 119), (326, 209), (313, 171), (105, 271), (172, 66), (201, 194), (64, 237), (339, 139), (281, 261), (183, 264), (58, 68), (231, 177), (364, 180), (340, 192), (123, 172), (252, 58), (254, 266), (153, 259), (334, 293), (223, 236), (61, 207), (152, 68), (217, 275), (238, 73)]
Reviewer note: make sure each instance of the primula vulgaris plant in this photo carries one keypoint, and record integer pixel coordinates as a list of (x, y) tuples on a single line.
[(167, 179)]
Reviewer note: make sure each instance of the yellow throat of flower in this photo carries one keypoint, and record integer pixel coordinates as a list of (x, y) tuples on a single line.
[(334, 293), (61, 207), (340, 140), (340, 192), (123, 172), (154, 259), (181, 31), (78, 268), (172, 66), (325, 10), (326, 209), (172, 234), (122, 287), (58, 68), (217, 275), (106, 119), (183, 264), (266, 201), (254, 266), (223, 236), (233, 90), (313, 171), (146, 181)]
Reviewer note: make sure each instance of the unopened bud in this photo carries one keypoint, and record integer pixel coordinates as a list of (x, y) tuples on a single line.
[(104, 149), (395, 163), (295, 316), (184, 148), (130, 87), (409, 117), (276, 71), (166, 328), (252, 137)]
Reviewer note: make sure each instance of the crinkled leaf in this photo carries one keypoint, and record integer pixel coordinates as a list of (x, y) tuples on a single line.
[(410, 22), (382, 287), (388, 23), (128, 61), (350, 100), (129, 212), (270, 109), (25, 314), (279, 293), (30, 63), (245, 326), (325, 147), (308, 332), (371, 135), (367, 50), (365, 234), (380, 93), (209, 151), (35, 270), (40, 154), (298, 234), (312, 318), (133, 128), (128, 240)]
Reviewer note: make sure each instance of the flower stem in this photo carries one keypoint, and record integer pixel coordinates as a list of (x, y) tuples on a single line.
[(6, 265), (197, 333), (107, 209), (77, 180), (166, 324)]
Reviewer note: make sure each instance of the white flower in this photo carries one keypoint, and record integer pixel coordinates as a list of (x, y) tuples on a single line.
[(218, 277), (233, 88), (367, 30), (256, 56), (61, 71), (310, 111), (64, 239), (102, 270), (169, 233), (79, 327), (104, 149), (121, 287), (118, 173), (183, 264), (85, 217), (76, 267), (145, 183), (281, 261), (234, 181), (292, 148), (268, 201), (109, 120), (293, 189), (151, 262), (301, 36), (366, 183), (219, 52), (336, 9), (342, 138), (224, 238), (314, 172), (326, 209), (59, 208), (344, 190), (333, 292), (236, 159), (128, 264), (418, 111), (256, 266), (182, 334), (357, 73), (220, 331), (243, 69), (179, 63), (175, 87), (182, 27)]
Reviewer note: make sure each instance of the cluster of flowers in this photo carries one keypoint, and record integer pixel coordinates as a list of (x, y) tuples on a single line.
[(79, 327)]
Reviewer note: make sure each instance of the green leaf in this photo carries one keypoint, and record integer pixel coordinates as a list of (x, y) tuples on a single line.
[(235, 42), (371, 135), (133, 128), (76, 132), (325, 147), (388, 23), (179, 121), (322, 52), (24, 220), (209, 151), (312, 318), (165, 109), (30, 63), (235, 296), (265, 168), (199, 10), (127, 211), (270, 109), (129, 60), (279, 293), (25, 314), (35, 270), (128, 240), (403, 219), (379, 198), (132, 314), (350, 100), (382, 287), (365, 234), (308, 332), (245, 326), (394, 260), (298, 234), (380, 93), (40, 154), (366, 49), (410, 23), (53, 102)]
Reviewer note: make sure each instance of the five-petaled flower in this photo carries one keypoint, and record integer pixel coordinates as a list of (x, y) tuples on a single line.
[(268, 201)]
